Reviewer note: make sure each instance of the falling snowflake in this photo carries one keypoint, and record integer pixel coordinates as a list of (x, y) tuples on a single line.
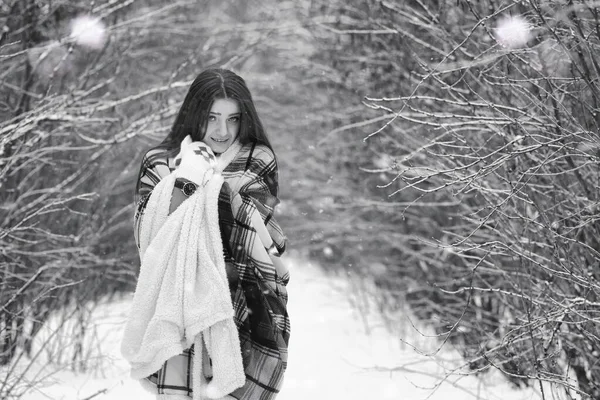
[(383, 161), (513, 32), (377, 269), (88, 31)]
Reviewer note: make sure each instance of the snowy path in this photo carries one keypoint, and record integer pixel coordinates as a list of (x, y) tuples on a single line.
[(331, 356)]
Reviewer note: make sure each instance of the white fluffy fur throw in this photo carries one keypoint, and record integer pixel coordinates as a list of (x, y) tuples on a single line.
[(182, 295)]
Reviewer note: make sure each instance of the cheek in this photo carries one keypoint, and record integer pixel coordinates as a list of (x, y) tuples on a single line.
[(203, 129), (210, 129)]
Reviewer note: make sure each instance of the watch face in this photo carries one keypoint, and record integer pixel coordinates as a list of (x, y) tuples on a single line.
[(189, 188)]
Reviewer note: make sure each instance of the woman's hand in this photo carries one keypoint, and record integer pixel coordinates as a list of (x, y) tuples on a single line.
[(195, 161)]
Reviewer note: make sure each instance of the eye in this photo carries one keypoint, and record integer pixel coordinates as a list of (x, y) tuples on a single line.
[(234, 119), (212, 118)]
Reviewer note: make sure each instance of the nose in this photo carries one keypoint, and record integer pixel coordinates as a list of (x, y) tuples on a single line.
[(223, 128)]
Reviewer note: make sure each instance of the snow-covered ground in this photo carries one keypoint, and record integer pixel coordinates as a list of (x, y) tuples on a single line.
[(333, 355)]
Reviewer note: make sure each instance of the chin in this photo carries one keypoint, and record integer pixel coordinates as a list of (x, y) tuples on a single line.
[(218, 149)]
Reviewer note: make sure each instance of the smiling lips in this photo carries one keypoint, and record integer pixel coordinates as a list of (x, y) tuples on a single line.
[(220, 140)]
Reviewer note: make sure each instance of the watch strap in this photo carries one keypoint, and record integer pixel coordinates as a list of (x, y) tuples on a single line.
[(187, 187)]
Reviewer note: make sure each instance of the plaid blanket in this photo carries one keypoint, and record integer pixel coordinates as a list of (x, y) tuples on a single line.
[(258, 289)]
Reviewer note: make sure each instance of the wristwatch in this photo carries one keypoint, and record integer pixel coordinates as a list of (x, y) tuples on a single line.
[(188, 188)]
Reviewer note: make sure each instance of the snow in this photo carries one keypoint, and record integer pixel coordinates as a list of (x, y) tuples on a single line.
[(334, 354), (513, 32), (88, 31)]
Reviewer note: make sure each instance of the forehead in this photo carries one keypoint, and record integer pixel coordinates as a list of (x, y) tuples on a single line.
[(225, 107)]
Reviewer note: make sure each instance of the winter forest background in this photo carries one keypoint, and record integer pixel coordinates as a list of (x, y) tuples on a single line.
[(442, 154)]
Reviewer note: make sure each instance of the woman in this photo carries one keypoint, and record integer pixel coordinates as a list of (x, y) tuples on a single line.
[(217, 139)]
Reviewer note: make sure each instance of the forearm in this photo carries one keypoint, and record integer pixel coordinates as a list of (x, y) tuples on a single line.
[(177, 197)]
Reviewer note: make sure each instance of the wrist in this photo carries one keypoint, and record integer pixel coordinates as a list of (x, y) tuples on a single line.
[(186, 186)]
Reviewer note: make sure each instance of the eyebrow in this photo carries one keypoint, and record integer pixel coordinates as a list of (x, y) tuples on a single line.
[(216, 113)]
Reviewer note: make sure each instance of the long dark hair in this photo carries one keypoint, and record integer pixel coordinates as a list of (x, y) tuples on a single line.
[(210, 85)]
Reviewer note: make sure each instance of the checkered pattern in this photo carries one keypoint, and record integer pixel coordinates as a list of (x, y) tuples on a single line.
[(202, 150), (177, 378), (258, 293)]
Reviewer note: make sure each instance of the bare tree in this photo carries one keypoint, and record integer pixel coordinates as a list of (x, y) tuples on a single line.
[(76, 112), (482, 140)]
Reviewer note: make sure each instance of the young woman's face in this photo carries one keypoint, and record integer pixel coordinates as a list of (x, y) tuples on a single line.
[(223, 125)]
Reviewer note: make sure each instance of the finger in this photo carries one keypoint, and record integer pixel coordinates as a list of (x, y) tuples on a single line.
[(207, 154)]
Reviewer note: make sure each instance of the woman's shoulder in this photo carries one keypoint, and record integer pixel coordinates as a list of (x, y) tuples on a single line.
[(254, 159), (155, 153), (258, 152), (157, 158)]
